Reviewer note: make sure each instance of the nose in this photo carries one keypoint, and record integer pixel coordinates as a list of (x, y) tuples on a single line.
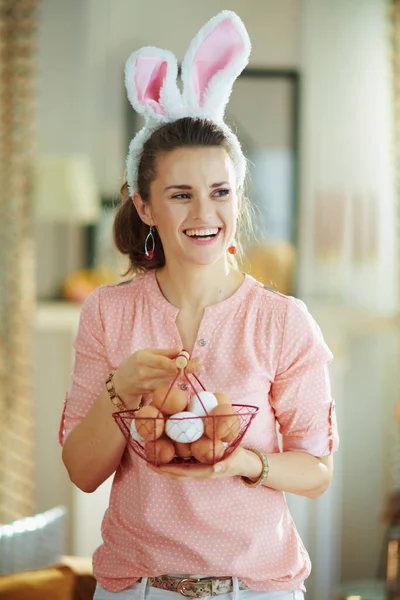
[(202, 208)]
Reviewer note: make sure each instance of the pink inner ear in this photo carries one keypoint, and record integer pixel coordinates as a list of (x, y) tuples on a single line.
[(218, 49), (150, 73)]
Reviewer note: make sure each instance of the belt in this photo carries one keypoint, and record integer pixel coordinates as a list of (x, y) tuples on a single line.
[(195, 588)]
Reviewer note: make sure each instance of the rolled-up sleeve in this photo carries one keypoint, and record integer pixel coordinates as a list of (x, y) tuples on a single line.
[(300, 394), (91, 366)]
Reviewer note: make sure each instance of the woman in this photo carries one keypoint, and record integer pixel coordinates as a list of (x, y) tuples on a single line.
[(216, 529)]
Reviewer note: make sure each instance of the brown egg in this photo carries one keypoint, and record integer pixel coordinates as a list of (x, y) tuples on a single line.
[(160, 451), (223, 422), (176, 402), (205, 451), (149, 423), (222, 398), (182, 450)]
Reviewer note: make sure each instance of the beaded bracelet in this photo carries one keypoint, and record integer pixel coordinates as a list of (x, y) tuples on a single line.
[(264, 473)]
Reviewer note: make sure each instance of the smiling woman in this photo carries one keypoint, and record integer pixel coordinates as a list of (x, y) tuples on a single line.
[(189, 163), (183, 205), (201, 207)]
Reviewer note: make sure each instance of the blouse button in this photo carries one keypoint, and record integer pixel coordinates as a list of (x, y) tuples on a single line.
[(202, 342), (184, 386)]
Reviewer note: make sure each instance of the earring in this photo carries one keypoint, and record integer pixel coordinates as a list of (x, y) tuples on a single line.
[(232, 248), (149, 253)]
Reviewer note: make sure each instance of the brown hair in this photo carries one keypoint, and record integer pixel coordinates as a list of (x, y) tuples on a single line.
[(129, 230)]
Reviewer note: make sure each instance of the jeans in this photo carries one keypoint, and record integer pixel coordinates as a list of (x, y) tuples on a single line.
[(140, 591)]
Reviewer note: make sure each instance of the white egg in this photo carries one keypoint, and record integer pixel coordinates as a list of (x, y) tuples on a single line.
[(208, 400), (182, 428), (136, 436)]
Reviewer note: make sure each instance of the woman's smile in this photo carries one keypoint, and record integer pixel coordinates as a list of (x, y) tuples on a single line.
[(203, 237)]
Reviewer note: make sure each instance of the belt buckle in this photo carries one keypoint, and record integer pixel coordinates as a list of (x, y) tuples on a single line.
[(181, 585)]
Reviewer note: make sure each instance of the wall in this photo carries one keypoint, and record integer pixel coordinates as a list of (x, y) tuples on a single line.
[(347, 225), (63, 109), (346, 161)]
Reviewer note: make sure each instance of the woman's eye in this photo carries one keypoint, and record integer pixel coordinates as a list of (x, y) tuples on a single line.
[(216, 194), (182, 196), (221, 193)]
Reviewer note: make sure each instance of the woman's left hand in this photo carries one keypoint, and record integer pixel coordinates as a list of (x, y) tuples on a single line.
[(241, 462)]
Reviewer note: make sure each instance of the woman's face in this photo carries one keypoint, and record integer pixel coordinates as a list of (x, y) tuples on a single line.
[(194, 204)]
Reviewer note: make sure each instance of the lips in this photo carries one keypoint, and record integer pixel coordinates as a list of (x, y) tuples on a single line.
[(202, 232), (203, 237)]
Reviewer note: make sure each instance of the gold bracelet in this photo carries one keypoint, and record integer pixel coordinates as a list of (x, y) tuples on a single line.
[(115, 399), (264, 473)]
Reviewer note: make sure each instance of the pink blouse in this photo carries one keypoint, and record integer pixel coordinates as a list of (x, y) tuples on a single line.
[(261, 348)]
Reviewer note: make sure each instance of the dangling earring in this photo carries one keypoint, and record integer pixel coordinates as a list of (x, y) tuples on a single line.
[(149, 253), (232, 248)]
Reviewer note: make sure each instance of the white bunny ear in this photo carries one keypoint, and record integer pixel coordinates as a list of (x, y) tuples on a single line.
[(150, 80), (215, 58)]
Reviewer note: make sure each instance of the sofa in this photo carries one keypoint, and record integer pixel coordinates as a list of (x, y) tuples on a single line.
[(33, 565), (70, 579)]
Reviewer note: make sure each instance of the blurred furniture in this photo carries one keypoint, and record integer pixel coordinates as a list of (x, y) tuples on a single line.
[(361, 590), (65, 189), (52, 583), (84, 581), (33, 565), (66, 201), (55, 329), (273, 264), (393, 551), (71, 579), (33, 542)]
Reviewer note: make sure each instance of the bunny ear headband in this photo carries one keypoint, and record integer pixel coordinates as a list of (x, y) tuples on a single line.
[(215, 58)]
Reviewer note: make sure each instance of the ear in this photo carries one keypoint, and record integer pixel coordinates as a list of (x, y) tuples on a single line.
[(150, 80), (215, 58), (143, 209)]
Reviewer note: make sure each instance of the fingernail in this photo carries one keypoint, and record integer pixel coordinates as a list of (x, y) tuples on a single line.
[(217, 468)]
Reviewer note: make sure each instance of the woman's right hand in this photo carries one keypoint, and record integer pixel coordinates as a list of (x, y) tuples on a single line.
[(145, 370)]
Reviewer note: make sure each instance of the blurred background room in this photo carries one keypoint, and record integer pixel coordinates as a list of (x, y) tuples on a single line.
[(318, 113)]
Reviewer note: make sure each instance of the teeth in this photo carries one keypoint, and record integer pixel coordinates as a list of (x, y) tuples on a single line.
[(202, 232)]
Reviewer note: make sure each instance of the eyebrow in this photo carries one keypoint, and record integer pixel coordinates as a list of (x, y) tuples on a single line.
[(189, 187)]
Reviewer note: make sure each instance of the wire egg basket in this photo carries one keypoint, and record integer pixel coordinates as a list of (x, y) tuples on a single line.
[(200, 432)]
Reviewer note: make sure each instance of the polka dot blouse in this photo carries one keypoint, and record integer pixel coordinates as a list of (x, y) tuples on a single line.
[(261, 348)]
